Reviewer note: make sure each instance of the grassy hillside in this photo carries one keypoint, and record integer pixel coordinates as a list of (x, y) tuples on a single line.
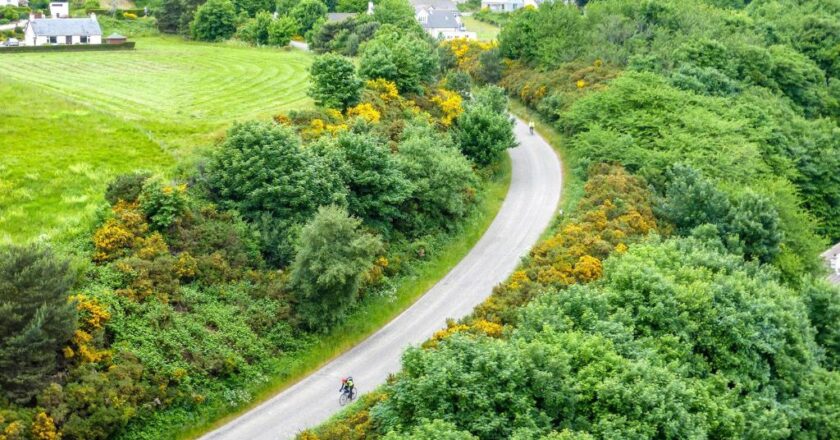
[(484, 31), (80, 118)]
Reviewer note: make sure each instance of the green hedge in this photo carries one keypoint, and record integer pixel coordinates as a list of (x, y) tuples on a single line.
[(140, 12), (69, 48)]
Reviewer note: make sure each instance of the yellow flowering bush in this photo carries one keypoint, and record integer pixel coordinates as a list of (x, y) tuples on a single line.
[(43, 428), (387, 90), (365, 111), (450, 105)]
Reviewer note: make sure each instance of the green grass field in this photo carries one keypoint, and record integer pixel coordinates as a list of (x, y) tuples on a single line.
[(73, 120), (484, 31)]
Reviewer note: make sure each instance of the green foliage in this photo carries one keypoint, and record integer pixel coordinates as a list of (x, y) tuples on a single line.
[(281, 31), (257, 30), (641, 354), (483, 133), (126, 187), (162, 204), (396, 12), (749, 226), (334, 82), (307, 13), (254, 7), (823, 301), (434, 430), (343, 37), (38, 319), (442, 179), (175, 16), (377, 188), (262, 171), (404, 58), (332, 256), (214, 21)]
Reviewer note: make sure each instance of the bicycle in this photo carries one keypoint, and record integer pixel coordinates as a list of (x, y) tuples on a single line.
[(347, 396)]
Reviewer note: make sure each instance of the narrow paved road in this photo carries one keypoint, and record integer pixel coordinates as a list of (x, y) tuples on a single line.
[(529, 207)]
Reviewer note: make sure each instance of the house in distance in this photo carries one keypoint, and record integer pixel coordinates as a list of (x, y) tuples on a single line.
[(52, 31)]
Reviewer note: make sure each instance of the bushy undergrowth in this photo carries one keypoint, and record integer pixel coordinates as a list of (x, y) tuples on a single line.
[(195, 291)]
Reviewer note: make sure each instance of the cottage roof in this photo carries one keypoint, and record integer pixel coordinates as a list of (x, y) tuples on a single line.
[(56, 27), (441, 19)]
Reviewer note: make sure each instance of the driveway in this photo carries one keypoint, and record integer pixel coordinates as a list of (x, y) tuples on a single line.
[(528, 209)]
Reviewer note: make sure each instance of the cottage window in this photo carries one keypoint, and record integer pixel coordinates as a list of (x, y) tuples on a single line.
[(53, 40), (83, 39)]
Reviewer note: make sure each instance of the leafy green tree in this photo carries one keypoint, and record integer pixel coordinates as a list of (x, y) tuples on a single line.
[(281, 31), (442, 179), (691, 200), (493, 97), (823, 301), (333, 255), (377, 186), (256, 30), (307, 12), (489, 67), (38, 320), (334, 83), (377, 61), (755, 222), (284, 7), (214, 21), (252, 7), (484, 134), (402, 57), (395, 12), (175, 16), (262, 171), (351, 6)]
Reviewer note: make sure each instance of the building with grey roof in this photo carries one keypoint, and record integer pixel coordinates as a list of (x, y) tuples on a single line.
[(443, 24), (47, 31)]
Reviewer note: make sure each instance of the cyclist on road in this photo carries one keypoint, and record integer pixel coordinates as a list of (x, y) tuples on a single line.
[(347, 385), (531, 127)]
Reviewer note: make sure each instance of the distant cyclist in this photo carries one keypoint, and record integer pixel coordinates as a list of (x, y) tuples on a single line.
[(347, 386), (531, 127)]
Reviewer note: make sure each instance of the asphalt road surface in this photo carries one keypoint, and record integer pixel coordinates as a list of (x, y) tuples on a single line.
[(527, 210)]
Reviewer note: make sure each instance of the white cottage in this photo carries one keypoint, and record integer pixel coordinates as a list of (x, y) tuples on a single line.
[(14, 3), (50, 31), (443, 24)]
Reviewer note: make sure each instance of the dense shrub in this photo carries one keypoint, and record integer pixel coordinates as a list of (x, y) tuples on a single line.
[(262, 171), (333, 254), (307, 12), (214, 21), (38, 319), (334, 82), (483, 133), (651, 351), (405, 58), (126, 187)]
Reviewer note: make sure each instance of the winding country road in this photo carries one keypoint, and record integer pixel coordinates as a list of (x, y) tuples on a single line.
[(528, 209)]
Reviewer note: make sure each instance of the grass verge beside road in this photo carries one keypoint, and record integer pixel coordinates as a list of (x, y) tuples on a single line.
[(370, 316)]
